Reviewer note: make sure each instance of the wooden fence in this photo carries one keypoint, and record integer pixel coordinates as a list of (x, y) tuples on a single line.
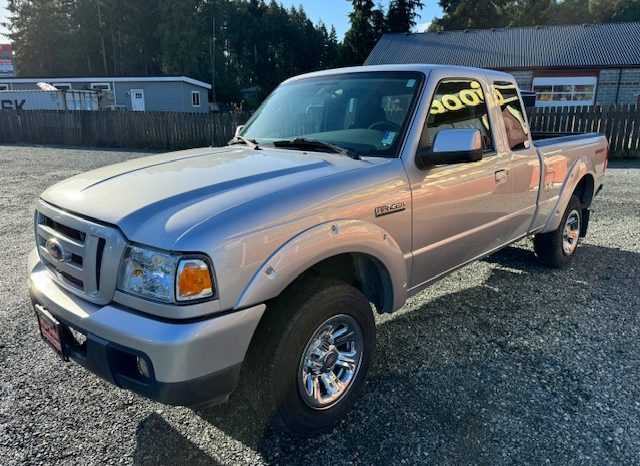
[(152, 130), (620, 123), (172, 131)]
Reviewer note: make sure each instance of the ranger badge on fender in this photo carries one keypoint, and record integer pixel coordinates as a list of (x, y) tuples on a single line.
[(389, 208)]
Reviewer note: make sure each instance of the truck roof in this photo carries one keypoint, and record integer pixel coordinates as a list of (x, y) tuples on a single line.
[(424, 68)]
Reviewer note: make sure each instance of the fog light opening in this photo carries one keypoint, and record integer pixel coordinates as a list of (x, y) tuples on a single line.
[(79, 337), (143, 367)]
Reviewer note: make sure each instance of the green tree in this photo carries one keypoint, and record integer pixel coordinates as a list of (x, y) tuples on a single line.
[(530, 12), (401, 16), (180, 39), (361, 37), (332, 49), (379, 22), (472, 14), (116, 37), (463, 14), (88, 41), (44, 28), (606, 11), (257, 44), (135, 39)]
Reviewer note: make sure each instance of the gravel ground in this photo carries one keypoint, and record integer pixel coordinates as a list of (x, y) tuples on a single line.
[(504, 362)]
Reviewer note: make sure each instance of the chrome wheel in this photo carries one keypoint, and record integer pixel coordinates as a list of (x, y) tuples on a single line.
[(330, 362), (571, 233)]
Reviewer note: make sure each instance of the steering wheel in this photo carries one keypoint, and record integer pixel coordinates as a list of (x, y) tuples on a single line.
[(384, 125)]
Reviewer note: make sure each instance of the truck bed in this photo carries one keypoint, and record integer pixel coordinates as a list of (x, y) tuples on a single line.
[(543, 139), (559, 154)]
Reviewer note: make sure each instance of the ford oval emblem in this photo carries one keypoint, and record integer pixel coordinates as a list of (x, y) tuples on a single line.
[(55, 250)]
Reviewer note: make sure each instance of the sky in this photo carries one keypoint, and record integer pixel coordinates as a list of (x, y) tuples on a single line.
[(331, 12)]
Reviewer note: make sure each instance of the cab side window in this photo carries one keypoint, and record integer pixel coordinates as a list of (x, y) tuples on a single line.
[(457, 103), (513, 115)]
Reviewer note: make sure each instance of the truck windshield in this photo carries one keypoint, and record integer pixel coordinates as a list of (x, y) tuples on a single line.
[(365, 113)]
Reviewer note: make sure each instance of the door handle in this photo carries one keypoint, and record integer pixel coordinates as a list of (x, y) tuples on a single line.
[(501, 176)]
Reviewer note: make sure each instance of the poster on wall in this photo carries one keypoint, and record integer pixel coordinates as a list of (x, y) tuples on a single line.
[(6, 60)]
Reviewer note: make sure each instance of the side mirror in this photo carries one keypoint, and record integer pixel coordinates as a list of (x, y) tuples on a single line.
[(238, 130), (452, 145)]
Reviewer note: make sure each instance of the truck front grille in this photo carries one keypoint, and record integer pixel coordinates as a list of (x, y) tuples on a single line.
[(65, 230), (72, 248)]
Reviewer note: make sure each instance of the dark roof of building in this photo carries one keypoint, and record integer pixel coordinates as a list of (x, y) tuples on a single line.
[(574, 46)]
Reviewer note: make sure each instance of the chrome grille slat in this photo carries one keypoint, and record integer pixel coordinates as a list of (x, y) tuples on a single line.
[(82, 242), (70, 244), (67, 267), (61, 276)]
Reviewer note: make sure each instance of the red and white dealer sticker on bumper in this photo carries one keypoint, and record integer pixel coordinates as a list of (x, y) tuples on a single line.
[(50, 330)]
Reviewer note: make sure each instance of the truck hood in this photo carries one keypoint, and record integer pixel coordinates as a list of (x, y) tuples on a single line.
[(155, 199)]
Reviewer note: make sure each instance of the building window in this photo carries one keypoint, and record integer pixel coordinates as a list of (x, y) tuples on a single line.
[(195, 98), (565, 91), (101, 86), (62, 86), (4, 87)]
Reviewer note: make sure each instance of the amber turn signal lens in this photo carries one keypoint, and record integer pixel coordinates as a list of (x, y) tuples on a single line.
[(193, 280)]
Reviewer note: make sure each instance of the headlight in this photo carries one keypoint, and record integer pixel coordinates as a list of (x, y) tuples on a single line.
[(164, 276)]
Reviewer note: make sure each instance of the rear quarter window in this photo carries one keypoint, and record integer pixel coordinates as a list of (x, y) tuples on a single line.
[(513, 115)]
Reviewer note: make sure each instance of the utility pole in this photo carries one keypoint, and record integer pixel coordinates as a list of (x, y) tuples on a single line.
[(213, 60)]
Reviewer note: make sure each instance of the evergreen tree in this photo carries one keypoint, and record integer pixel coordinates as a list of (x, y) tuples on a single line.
[(529, 12), (43, 29), (472, 14), (379, 22), (402, 15), (599, 11), (463, 14), (134, 34), (361, 37), (257, 44), (180, 38)]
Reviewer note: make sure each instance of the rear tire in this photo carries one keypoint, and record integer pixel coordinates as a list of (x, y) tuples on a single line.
[(310, 355), (557, 248)]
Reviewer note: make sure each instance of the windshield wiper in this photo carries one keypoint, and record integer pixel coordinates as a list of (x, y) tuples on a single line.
[(310, 143), (242, 140)]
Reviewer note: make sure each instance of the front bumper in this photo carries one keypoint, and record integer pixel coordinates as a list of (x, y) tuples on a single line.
[(191, 363)]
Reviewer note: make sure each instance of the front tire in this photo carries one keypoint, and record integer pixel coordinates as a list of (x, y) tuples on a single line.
[(557, 248), (310, 355)]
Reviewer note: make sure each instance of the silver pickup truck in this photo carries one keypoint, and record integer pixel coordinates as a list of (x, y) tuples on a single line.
[(177, 275)]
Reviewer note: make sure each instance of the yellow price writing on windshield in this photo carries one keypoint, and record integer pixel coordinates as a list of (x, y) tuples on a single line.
[(465, 98)]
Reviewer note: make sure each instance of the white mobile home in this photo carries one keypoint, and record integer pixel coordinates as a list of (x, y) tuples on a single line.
[(151, 94)]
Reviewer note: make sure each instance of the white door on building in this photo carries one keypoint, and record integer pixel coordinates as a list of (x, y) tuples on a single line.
[(137, 100)]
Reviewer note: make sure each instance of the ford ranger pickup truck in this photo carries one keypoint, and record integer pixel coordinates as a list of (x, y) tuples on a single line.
[(176, 276)]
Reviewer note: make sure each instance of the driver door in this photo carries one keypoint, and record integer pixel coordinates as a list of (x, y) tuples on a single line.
[(458, 209)]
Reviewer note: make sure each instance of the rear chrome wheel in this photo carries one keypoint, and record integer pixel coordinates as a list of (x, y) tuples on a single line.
[(557, 248), (571, 233), (330, 362)]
